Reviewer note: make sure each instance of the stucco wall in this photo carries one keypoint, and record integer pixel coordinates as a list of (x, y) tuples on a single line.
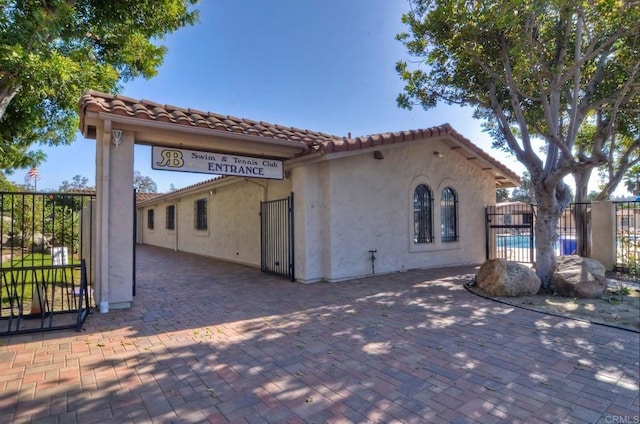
[(233, 220), (368, 205), (311, 215), (344, 208)]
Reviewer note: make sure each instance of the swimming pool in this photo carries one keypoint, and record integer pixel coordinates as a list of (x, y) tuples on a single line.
[(523, 242)]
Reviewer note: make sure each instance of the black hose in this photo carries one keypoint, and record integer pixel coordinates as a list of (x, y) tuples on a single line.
[(469, 288)]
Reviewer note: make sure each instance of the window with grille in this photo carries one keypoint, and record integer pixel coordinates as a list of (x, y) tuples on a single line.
[(423, 214), (449, 215), (171, 217), (200, 214), (150, 216)]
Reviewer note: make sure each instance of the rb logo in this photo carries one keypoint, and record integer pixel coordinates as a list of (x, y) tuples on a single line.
[(171, 159)]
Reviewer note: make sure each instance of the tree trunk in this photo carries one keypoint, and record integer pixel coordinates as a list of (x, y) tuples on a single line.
[(7, 93), (551, 202), (581, 216), (546, 238)]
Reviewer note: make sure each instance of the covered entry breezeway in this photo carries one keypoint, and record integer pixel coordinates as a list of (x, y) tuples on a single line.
[(352, 195), (117, 123)]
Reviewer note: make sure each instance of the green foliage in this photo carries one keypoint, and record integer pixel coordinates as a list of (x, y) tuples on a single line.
[(5, 184), (27, 271), (78, 183), (54, 216), (629, 254), (632, 180), (534, 70), (502, 195), (52, 52), (537, 72), (524, 193)]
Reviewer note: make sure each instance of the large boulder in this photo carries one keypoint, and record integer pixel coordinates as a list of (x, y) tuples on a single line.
[(579, 277), (499, 277), (40, 243)]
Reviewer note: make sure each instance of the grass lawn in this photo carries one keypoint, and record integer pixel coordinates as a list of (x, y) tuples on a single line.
[(20, 276)]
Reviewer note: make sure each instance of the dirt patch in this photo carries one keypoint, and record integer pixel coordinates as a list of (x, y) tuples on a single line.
[(618, 307)]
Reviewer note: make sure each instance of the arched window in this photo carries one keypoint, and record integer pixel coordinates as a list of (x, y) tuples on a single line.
[(422, 215), (449, 215)]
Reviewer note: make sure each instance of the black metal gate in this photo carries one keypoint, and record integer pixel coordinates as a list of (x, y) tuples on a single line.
[(628, 238), (45, 251), (276, 234), (510, 232)]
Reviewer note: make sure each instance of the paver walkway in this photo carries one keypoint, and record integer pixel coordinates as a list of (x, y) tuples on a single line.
[(208, 341)]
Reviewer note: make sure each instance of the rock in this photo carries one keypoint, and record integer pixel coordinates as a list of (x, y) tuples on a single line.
[(40, 243), (499, 277), (579, 277)]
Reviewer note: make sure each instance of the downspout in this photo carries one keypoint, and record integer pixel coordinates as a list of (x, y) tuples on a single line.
[(104, 220)]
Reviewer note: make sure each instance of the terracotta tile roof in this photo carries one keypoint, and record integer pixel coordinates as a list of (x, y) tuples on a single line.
[(141, 197), (89, 191), (375, 140), (93, 101)]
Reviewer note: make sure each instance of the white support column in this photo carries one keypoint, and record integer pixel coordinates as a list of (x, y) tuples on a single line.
[(603, 233), (120, 222), (114, 220), (103, 141)]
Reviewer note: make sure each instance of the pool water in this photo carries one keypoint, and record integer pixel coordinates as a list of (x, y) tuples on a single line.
[(565, 246)]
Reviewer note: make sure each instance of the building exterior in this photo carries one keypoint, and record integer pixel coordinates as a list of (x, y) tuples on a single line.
[(411, 199)]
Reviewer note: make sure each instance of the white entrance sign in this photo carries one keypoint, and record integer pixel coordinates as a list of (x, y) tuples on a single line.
[(60, 255), (171, 159)]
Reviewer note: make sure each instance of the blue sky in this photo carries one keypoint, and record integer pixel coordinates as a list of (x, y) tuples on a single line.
[(324, 65)]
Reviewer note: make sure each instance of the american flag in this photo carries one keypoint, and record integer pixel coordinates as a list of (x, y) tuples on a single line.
[(33, 174)]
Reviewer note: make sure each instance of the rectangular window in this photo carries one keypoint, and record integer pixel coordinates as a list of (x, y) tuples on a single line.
[(200, 214), (171, 217), (527, 219), (150, 216)]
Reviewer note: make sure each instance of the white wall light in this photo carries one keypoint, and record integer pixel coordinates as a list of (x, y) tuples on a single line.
[(117, 136)]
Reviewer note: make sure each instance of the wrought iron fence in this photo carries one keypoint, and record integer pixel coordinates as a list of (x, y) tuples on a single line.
[(628, 238), (510, 231), (45, 251), (574, 230)]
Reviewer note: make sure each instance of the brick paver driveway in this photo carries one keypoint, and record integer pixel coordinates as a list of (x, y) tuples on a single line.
[(208, 341)]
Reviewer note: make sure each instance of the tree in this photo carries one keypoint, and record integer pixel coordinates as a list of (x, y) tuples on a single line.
[(622, 149), (51, 52), (536, 72), (144, 184), (593, 195), (5, 184), (502, 195), (632, 180), (78, 183), (524, 193)]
